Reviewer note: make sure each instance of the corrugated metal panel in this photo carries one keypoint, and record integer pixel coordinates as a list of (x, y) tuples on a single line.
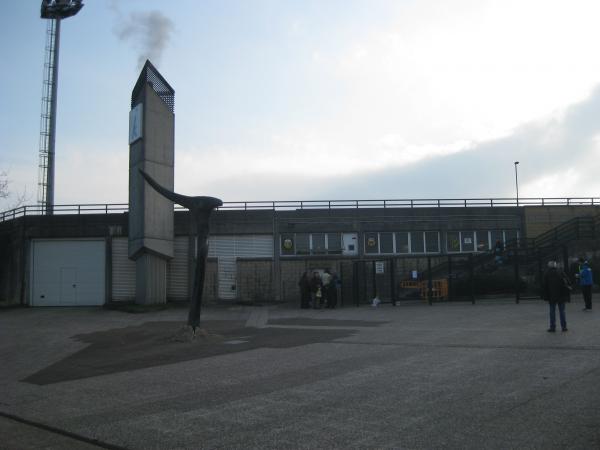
[(242, 246), (227, 267), (221, 246), (123, 271), (255, 246), (178, 270), (228, 248)]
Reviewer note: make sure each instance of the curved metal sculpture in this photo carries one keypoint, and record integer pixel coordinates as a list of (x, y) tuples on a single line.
[(200, 210)]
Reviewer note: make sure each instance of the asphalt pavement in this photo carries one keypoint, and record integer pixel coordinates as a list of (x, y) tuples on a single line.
[(414, 376)]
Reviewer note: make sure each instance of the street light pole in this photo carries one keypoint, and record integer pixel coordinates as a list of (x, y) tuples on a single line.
[(517, 181)]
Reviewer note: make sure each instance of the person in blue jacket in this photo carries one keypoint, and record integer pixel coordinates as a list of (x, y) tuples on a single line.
[(586, 282)]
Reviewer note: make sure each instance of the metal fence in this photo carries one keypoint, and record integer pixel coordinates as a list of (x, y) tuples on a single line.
[(283, 205), (517, 274)]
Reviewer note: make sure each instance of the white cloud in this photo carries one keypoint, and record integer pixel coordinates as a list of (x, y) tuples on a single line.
[(455, 89)]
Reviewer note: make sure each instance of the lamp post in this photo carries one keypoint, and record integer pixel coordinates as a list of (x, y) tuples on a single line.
[(517, 181), (55, 11)]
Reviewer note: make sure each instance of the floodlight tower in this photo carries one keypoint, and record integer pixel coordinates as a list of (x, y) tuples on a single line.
[(55, 10)]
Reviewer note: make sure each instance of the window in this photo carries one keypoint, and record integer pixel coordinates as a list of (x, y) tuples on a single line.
[(371, 243), (432, 242), (311, 244), (467, 240), (334, 243), (302, 244), (510, 235), (483, 243), (402, 243), (496, 235), (453, 241), (417, 245), (386, 243), (318, 244)]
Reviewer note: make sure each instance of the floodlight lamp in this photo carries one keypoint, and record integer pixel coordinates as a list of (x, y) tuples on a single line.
[(60, 9)]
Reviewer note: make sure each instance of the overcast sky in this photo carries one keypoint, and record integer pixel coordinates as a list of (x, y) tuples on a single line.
[(324, 99)]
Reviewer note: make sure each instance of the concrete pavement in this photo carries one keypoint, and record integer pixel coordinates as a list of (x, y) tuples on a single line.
[(413, 376)]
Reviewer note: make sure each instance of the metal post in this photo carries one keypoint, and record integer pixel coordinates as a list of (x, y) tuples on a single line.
[(355, 282), (276, 287), (449, 278), (374, 277), (393, 280), (517, 181), (429, 282), (565, 255), (471, 279), (52, 131), (517, 277), (540, 272)]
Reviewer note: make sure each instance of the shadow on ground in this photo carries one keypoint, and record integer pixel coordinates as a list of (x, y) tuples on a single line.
[(152, 344)]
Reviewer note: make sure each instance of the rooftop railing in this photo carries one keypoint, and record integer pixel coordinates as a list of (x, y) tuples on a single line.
[(282, 205)]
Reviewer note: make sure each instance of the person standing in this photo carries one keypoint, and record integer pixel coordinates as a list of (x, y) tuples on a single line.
[(586, 282), (316, 290), (332, 291), (326, 280), (498, 251), (556, 289), (304, 285)]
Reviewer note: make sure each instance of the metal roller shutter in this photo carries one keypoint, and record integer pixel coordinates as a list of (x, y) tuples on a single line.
[(241, 246), (123, 271), (178, 270)]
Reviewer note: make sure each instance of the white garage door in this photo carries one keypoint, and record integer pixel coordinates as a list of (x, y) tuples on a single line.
[(67, 272)]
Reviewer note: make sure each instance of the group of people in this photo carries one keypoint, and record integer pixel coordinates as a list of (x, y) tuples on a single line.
[(557, 287), (318, 290)]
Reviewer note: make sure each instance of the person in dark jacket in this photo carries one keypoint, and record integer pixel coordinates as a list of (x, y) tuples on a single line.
[(304, 285), (332, 291), (586, 282), (556, 288)]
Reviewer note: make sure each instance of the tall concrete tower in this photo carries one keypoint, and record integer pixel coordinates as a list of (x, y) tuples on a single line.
[(152, 149)]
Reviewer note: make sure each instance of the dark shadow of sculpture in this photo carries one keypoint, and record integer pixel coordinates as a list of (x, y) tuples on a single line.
[(200, 210)]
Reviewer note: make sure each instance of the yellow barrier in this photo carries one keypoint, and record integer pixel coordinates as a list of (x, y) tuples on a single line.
[(439, 288)]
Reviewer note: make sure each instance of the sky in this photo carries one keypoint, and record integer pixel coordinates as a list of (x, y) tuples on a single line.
[(310, 100)]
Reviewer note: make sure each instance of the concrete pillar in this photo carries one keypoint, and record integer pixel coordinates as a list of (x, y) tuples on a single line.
[(150, 279), (152, 149)]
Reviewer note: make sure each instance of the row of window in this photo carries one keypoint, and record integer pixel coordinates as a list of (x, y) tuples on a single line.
[(403, 242), (311, 244)]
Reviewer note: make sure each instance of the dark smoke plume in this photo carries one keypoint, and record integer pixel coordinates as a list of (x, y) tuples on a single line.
[(149, 33)]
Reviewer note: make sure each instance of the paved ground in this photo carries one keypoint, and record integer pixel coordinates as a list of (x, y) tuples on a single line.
[(413, 376)]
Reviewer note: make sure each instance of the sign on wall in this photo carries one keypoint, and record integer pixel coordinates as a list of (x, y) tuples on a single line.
[(135, 123)]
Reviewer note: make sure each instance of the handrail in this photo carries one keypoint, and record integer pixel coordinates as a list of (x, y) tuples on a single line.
[(283, 205)]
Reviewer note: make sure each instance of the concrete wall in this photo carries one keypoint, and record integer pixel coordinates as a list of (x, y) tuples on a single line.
[(13, 251), (539, 219), (398, 219), (16, 234)]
